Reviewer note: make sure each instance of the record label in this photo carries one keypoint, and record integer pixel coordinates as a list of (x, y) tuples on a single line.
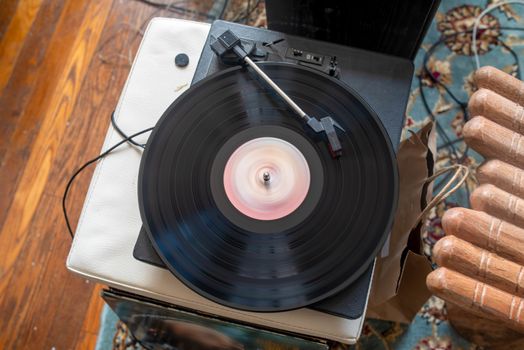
[(266, 178)]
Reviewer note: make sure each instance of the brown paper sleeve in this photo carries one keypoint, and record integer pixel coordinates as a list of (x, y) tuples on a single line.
[(399, 290)]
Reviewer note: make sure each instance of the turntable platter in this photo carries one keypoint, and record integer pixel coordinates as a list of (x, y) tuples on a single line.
[(246, 205)]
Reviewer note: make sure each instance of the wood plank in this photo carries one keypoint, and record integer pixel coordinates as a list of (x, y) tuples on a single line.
[(15, 35), (61, 103), (8, 11), (91, 322), (28, 68), (72, 306), (30, 117), (30, 190), (91, 325), (16, 300), (48, 288), (87, 341), (59, 300)]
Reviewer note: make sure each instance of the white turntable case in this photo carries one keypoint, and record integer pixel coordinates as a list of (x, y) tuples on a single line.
[(110, 220)]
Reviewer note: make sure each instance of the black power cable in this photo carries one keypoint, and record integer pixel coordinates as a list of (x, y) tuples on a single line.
[(85, 165), (123, 134)]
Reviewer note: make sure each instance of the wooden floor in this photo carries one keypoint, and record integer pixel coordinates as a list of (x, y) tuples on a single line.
[(62, 66)]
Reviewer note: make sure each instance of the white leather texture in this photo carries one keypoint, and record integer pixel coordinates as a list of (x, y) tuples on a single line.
[(110, 219)]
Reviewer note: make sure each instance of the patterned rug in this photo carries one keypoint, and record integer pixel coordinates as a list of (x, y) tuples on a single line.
[(445, 86)]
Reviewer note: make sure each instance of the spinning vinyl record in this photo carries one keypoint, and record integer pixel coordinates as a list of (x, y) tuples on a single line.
[(244, 203)]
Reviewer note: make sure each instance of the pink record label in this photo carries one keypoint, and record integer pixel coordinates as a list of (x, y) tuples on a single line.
[(266, 178)]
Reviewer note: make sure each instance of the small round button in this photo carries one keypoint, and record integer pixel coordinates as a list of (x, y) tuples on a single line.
[(181, 60)]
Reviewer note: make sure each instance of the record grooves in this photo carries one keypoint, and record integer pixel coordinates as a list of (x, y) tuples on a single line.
[(240, 261)]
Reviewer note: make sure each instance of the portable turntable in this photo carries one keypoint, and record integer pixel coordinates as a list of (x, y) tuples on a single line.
[(313, 253), (240, 111)]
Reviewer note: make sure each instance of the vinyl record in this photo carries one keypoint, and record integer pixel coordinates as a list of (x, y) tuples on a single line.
[(244, 203)]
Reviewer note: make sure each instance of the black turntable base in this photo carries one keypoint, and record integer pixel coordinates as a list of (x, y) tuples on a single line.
[(199, 214)]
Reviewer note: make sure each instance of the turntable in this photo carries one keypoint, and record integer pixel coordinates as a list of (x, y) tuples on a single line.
[(285, 242)]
